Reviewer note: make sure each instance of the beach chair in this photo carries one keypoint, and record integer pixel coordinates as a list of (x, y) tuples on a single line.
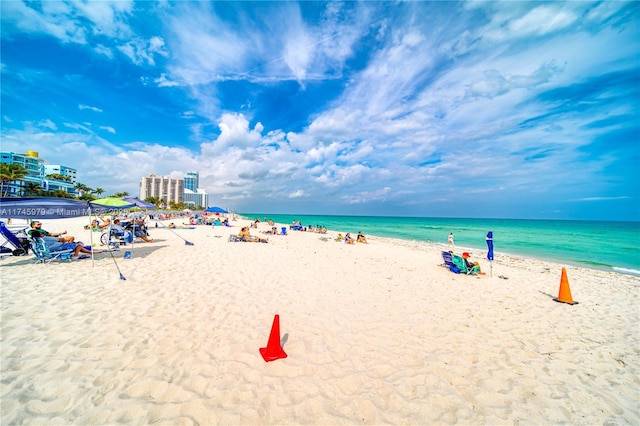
[(114, 238), (449, 264), (19, 245), (462, 265), (457, 264), (44, 255)]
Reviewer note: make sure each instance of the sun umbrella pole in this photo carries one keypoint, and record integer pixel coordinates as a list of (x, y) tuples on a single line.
[(91, 240)]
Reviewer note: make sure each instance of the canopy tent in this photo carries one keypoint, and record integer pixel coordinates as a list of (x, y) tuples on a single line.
[(109, 205), (216, 210), (112, 202), (140, 203), (38, 208), (42, 208)]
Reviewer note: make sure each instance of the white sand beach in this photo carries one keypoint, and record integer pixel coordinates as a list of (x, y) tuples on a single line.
[(375, 333)]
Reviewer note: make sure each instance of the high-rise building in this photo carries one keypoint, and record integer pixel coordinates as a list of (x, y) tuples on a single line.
[(192, 181), (198, 198), (167, 189), (68, 184), (38, 170), (194, 195)]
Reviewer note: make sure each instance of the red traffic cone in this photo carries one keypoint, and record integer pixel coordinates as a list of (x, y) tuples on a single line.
[(273, 350), (564, 294)]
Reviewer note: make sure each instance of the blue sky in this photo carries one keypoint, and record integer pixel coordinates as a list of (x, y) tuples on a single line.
[(443, 109)]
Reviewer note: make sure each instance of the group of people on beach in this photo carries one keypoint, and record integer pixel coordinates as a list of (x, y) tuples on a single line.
[(60, 241), (348, 239)]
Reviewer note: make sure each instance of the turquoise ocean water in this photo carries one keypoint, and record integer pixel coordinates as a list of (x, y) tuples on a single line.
[(593, 244)]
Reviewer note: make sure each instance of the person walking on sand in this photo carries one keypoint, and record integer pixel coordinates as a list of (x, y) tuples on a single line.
[(451, 245)]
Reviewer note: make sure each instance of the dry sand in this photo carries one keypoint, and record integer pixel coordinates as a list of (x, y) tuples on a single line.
[(375, 334)]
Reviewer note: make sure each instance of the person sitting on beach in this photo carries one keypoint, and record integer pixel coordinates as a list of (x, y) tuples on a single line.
[(348, 239), (172, 225), (141, 223), (106, 222), (469, 264), (139, 228), (136, 232), (54, 245), (272, 231), (361, 238), (37, 226), (118, 229), (95, 226), (244, 235), (339, 237)]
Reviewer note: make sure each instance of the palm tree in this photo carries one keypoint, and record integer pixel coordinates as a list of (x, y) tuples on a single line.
[(120, 194), (59, 193), (81, 188), (86, 197), (156, 201), (10, 173), (58, 176), (32, 188), (98, 191)]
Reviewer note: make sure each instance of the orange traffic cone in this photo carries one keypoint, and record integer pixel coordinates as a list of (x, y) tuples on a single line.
[(273, 350), (564, 295)]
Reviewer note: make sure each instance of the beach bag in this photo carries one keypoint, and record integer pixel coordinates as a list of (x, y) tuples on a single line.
[(24, 243)]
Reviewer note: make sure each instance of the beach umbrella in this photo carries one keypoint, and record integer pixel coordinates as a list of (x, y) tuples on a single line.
[(490, 249), (140, 203), (216, 210)]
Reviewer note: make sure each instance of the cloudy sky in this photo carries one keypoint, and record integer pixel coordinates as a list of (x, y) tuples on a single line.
[(437, 109)]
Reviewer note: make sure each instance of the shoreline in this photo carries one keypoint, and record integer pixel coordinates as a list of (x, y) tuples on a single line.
[(482, 255), (630, 269), (374, 333)]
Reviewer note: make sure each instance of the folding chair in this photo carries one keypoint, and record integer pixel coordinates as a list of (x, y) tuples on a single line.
[(20, 244), (44, 255)]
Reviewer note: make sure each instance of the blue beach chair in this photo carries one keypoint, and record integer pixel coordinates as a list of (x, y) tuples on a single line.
[(20, 245), (448, 262), (457, 264), (44, 255)]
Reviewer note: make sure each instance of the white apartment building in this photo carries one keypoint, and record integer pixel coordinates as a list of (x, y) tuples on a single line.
[(167, 189)]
